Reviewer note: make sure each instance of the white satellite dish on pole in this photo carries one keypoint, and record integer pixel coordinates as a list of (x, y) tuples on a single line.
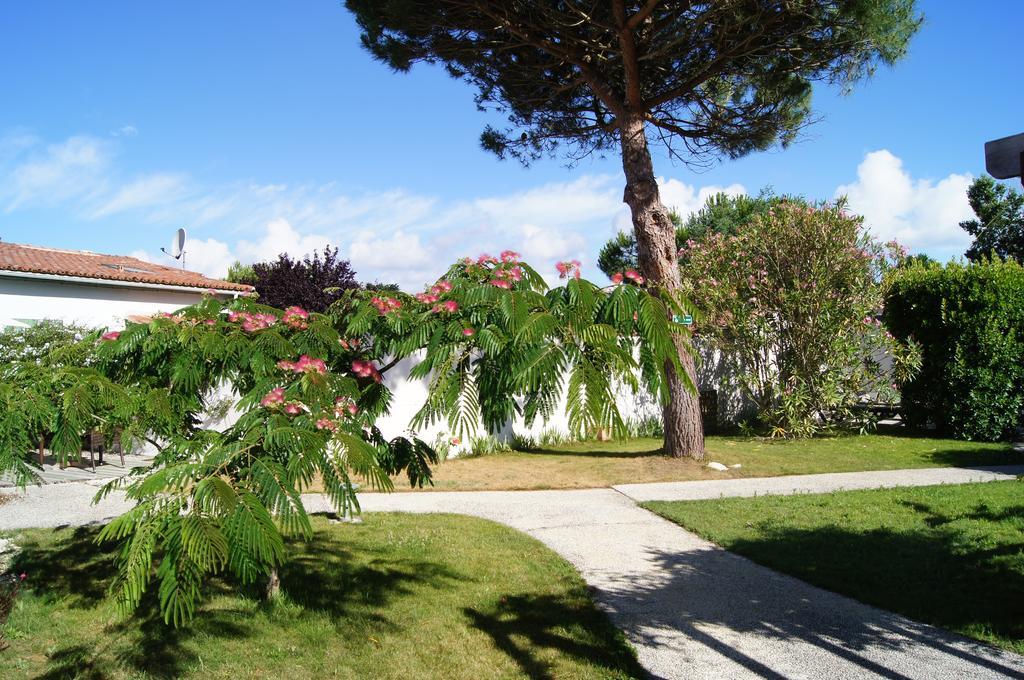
[(177, 250)]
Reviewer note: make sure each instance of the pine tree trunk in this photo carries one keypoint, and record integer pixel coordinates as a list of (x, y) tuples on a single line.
[(273, 584), (656, 250)]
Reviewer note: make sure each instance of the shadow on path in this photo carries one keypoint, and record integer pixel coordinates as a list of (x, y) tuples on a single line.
[(719, 600)]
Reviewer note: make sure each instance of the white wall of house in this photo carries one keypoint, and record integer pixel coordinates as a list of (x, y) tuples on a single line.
[(409, 395), (98, 304)]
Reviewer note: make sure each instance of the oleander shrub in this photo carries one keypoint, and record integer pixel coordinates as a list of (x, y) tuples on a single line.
[(969, 322), (791, 299)]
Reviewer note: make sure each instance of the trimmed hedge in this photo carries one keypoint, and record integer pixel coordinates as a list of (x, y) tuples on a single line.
[(969, 321)]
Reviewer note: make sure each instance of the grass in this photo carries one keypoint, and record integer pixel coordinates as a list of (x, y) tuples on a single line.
[(952, 556), (594, 464), (400, 596)]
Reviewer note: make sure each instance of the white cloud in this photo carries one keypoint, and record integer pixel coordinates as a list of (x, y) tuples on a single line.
[(398, 236), (687, 199), (921, 214), (279, 237), (73, 169), (207, 256), (151, 191), (538, 244), (125, 131)]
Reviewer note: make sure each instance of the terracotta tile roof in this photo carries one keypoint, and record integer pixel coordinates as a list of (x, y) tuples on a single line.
[(82, 263)]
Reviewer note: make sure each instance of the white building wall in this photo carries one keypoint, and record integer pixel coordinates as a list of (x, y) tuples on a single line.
[(108, 306), (409, 395), (83, 303)]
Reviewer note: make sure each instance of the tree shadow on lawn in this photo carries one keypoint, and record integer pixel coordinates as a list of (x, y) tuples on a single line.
[(72, 569), (522, 624), (322, 577), (920, 575), (952, 453), (612, 452)]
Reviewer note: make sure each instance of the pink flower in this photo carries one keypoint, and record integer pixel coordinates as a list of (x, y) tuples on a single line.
[(273, 397), (326, 424), (426, 298), (454, 441), (307, 364), (293, 408), (501, 283), (617, 278), (23, 576), (485, 258), (210, 322), (509, 256), (286, 365), (366, 369), (568, 267), (468, 332), (451, 306), (110, 336), (296, 317), (516, 273), (385, 305), (442, 287), (632, 274)]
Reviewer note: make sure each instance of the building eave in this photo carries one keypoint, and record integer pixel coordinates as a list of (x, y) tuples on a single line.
[(89, 281)]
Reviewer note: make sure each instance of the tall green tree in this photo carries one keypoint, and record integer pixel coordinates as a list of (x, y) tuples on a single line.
[(998, 226), (700, 79)]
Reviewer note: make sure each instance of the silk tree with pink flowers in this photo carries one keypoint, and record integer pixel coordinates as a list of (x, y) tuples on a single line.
[(492, 340)]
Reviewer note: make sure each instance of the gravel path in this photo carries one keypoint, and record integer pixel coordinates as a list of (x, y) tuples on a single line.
[(691, 609)]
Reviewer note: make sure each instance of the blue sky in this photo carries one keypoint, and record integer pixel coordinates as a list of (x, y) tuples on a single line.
[(262, 126)]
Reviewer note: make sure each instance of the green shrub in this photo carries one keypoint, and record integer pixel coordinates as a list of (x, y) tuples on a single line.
[(969, 321), (790, 299), (647, 426)]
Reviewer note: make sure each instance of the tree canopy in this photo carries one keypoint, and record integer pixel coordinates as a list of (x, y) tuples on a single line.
[(726, 77), (998, 225), (313, 282)]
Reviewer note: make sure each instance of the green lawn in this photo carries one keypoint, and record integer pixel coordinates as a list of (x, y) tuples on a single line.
[(594, 464), (400, 596), (952, 556)]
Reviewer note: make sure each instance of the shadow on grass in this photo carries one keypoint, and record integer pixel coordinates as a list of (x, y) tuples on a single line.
[(611, 452), (322, 578), (523, 625), (72, 568)]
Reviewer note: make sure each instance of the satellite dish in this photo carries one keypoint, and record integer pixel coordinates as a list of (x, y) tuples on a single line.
[(177, 250), (178, 244)]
